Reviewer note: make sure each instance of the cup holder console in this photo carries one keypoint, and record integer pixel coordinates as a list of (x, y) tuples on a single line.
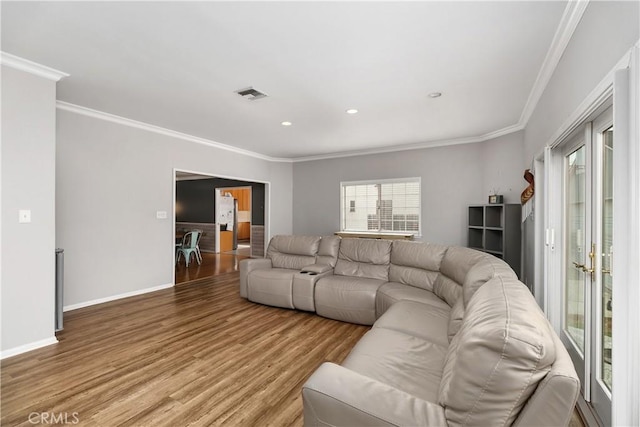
[(310, 273)]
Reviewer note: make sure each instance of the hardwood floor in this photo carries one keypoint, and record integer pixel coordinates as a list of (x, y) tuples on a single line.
[(576, 419), (212, 264), (196, 354)]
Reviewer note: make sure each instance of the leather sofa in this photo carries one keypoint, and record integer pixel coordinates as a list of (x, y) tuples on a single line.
[(456, 339)]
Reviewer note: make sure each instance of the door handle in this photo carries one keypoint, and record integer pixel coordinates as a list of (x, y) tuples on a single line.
[(583, 267), (579, 266)]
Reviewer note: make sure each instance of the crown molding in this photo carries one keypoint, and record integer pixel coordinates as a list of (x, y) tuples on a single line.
[(568, 23), (31, 67), (430, 144), (592, 102), (85, 111)]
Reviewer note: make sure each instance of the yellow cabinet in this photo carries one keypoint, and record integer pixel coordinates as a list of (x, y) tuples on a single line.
[(226, 241)]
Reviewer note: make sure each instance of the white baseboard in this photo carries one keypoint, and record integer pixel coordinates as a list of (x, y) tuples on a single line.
[(28, 347), (115, 297)]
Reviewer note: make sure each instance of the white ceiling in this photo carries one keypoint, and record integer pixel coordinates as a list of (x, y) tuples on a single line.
[(176, 65)]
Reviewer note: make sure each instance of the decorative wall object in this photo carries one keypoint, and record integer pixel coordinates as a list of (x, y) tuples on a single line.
[(496, 199), (528, 192)]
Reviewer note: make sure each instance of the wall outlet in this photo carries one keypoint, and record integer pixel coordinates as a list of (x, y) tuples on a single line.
[(24, 216), (161, 214)]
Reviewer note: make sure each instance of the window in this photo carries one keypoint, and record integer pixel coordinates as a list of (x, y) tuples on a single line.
[(382, 205)]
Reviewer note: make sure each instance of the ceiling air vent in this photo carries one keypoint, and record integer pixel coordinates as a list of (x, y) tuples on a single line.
[(251, 93)]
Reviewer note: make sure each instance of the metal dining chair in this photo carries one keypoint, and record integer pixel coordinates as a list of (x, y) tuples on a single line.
[(190, 247), (198, 253)]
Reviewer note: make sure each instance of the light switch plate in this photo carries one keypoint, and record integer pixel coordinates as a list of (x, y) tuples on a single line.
[(161, 214), (24, 216)]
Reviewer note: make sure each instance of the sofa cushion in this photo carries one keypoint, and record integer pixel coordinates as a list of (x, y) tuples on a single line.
[(486, 269), (455, 318), (480, 273), (350, 299), (273, 286), (417, 277), (426, 256), (415, 263), (402, 361), (494, 363), (392, 292), (455, 265), (457, 262), (425, 321), (293, 252), (364, 258), (447, 289), (328, 250)]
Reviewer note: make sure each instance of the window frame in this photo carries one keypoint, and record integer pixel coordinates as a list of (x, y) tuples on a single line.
[(346, 206)]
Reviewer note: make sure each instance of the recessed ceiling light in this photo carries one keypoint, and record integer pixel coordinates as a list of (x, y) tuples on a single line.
[(351, 111), (286, 123), (435, 95)]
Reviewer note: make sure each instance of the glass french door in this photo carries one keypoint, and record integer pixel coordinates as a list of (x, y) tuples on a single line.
[(588, 256)]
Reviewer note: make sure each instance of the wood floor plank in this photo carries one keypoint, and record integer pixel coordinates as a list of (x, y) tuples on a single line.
[(196, 354)]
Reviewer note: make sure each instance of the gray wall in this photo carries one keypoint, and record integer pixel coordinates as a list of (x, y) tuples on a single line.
[(452, 178), (607, 31), (111, 180), (28, 177), (502, 166)]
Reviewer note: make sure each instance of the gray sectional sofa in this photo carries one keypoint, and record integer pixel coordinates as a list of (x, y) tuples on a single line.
[(456, 339)]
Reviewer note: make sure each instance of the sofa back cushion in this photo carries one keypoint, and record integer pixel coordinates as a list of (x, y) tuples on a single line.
[(415, 263), (293, 252), (455, 265), (480, 273), (364, 258), (504, 348), (455, 319), (328, 250)]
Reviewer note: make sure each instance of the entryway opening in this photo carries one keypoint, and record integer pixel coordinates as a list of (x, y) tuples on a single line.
[(229, 217)]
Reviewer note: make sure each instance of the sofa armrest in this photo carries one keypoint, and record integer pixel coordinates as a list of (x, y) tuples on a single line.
[(316, 268), (337, 396), (303, 289), (247, 266)]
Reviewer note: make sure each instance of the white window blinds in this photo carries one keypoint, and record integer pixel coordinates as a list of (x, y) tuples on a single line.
[(382, 206)]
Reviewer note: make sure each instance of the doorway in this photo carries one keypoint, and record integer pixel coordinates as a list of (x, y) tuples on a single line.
[(584, 171), (195, 209), (239, 228)]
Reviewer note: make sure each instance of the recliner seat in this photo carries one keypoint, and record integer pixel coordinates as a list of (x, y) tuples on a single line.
[(349, 294), (270, 280)]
